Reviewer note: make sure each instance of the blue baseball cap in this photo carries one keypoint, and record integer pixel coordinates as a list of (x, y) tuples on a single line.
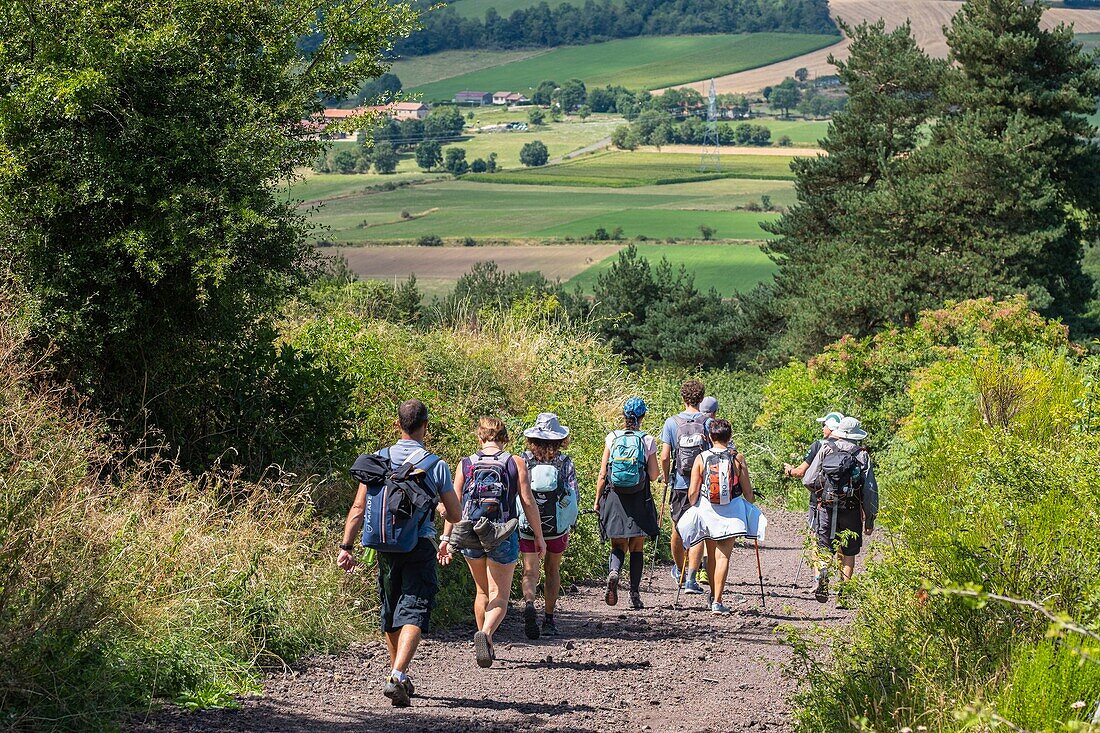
[(635, 407)]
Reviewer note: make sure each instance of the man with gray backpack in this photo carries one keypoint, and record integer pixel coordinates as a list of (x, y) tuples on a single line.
[(841, 480), (683, 440), (399, 489)]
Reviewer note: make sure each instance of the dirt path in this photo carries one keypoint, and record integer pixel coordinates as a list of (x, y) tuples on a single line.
[(660, 669), (927, 17)]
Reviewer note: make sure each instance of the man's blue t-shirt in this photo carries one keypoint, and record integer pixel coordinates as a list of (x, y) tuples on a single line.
[(669, 435), (439, 478), (812, 452)]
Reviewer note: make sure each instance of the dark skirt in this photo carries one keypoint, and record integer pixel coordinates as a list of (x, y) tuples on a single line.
[(623, 516)]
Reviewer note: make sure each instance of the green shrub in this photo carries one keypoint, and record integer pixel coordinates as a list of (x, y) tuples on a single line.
[(987, 483)]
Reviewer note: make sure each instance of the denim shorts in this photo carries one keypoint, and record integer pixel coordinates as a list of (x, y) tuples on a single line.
[(505, 553)]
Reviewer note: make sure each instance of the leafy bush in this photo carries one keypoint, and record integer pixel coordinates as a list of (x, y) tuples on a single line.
[(430, 240), (988, 485)]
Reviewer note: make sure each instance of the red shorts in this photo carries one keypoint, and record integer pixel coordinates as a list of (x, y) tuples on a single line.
[(556, 545)]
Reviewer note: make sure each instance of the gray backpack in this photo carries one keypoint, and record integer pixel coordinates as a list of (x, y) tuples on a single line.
[(691, 441)]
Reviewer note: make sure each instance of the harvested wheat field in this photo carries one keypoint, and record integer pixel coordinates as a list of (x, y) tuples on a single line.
[(927, 16), (438, 268)]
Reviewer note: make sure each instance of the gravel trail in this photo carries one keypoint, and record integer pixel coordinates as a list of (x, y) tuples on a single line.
[(613, 669)]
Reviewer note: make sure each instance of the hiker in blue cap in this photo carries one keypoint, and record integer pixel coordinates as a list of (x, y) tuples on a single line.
[(624, 500)]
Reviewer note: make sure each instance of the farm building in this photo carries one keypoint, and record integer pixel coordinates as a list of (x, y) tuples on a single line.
[(467, 97), (508, 98), (320, 123), (402, 110)]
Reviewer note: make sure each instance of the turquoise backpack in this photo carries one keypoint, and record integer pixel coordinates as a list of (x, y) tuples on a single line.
[(626, 470)]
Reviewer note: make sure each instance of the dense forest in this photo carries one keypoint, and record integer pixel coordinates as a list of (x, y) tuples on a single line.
[(569, 24)]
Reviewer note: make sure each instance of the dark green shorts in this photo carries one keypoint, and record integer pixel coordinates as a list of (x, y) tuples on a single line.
[(407, 585)]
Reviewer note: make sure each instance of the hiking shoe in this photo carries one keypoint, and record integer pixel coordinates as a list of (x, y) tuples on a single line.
[(463, 537), (719, 609), (492, 534), (612, 595), (675, 573), (530, 621), (692, 588), (702, 577), (483, 650), (549, 629), (636, 600), (398, 692), (821, 590)]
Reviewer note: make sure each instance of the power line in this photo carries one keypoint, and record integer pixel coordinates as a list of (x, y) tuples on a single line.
[(711, 155)]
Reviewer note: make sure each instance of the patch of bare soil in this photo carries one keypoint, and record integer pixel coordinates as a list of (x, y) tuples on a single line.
[(665, 668), (450, 263)]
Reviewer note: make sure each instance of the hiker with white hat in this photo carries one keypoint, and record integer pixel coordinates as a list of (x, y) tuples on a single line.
[(845, 499), (553, 480), (829, 423)]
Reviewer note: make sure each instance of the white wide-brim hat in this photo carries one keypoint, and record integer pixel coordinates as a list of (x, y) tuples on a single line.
[(547, 427), (849, 429)]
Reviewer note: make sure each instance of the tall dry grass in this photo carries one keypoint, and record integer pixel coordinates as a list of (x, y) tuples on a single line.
[(124, 582)]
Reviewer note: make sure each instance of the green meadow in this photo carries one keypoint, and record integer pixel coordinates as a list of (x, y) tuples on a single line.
[(620, 169), (458, 209), (646, 62), (418, 71), (728, 268)]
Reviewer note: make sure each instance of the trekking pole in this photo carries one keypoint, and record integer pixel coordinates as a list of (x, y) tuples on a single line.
[(759, 571), (657, 539)]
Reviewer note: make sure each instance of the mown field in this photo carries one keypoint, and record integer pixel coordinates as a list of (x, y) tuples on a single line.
[(418, 71), (648, 62), (728, 268), (457, 209), (619, 169)]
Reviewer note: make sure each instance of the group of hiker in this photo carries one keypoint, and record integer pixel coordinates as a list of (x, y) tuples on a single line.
[(500, 506)]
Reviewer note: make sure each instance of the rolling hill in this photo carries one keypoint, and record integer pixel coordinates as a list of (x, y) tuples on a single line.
[(646, 62)]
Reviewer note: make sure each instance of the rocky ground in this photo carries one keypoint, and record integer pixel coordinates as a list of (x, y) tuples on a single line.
[(666, 668)]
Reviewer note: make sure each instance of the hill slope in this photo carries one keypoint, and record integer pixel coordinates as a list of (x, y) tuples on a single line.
[(927, 17), (647, 62)]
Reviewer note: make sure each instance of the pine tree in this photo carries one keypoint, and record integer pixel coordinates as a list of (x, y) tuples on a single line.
[(1023, 96), (893, 92), (996, 201)]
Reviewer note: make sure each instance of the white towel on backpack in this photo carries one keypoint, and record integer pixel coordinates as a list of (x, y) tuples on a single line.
[(706, 521)]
